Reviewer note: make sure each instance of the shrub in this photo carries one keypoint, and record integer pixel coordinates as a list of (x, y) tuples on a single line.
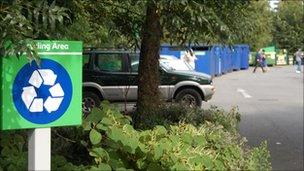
[(13, 148), (165, 115), (174, 114), (113, 144)]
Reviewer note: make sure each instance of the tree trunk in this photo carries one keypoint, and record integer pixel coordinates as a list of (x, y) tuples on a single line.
[(148, 93)]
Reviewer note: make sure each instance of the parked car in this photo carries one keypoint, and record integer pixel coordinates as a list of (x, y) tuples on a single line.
[(113, 76)]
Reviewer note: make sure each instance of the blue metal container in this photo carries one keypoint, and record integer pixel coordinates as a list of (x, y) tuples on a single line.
[(217, 59), (170, 50), (214, 60), (229, 53), (236, 57), (245, 57), (224, 57), (204, 63)]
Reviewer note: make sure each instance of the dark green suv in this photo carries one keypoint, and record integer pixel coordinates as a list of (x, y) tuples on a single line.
[(113, 76)]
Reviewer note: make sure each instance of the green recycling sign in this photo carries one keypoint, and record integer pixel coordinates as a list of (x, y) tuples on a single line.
[(44, 94)]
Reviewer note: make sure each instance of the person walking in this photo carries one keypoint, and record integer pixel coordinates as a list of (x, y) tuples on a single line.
[(299, 56), (259, 60), (190, 58), (265, 65)]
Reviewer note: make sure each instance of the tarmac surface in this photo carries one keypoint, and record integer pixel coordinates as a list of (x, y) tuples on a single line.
[(271, 106)]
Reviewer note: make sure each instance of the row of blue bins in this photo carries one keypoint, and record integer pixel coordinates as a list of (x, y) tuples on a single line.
[(214, 60)]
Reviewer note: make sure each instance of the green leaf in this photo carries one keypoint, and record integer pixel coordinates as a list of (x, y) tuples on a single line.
[(143, 148), (207, 161), (195, 160), (95, 116), (179, 166), (122, 169), (101, 167), (219, 165), (130, 144), (160, 130), (158, 152), (187, 138), (199, 140), (86, 125), (115, 134), (84, 143), (141, 164), (102, 127), (116, 160), (100, 153), (6, 151), (174, 138), (104, 167), (174, 158), (95, 137), (107, 121), (59, 160), (154, 166), (145, 136), (128, 128)]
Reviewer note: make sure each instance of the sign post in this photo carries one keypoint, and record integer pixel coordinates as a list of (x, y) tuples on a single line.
[(39, 149), (42, 95)]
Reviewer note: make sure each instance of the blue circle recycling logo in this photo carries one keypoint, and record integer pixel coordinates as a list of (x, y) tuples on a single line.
[(43, 93)]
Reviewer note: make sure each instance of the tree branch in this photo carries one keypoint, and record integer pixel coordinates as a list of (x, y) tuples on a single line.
[(123, 7)]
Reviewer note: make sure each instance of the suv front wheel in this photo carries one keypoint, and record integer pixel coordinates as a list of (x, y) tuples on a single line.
[(89, 101), (189, 97)]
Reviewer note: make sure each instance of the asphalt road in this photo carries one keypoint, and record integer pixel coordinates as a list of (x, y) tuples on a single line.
[(271, 105)]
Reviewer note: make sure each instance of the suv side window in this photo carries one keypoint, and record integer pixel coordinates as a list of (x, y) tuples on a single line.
[(134, 58), (109, 62)]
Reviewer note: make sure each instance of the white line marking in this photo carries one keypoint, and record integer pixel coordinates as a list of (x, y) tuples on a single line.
[(243, 92)]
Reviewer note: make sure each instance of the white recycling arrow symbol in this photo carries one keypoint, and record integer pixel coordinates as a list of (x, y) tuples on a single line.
[(29, 95)]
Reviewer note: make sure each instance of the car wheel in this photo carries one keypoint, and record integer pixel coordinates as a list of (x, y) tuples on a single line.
[(89, 101), (189, 97)]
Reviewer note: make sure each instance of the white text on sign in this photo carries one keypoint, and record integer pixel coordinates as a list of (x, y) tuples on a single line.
[(53, 46)]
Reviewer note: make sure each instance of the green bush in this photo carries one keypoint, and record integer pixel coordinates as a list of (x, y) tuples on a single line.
[(165, 115), (13, 148), (210, 144), (174, 114), (107, 141)]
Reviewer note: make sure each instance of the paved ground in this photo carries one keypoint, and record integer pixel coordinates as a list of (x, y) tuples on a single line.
[(271, 105)]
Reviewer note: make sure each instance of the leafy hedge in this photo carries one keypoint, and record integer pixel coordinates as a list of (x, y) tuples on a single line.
[(173, 114), (13, 146), (108, 141)]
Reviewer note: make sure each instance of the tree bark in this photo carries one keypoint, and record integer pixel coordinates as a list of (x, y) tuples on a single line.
[(148, 81)]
